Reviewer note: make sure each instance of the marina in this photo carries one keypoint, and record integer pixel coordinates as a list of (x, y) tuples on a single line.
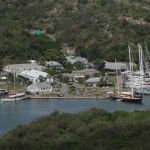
[(17, 113)]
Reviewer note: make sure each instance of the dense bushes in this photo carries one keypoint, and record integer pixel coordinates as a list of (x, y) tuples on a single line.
[(90, 130), (96, 29)]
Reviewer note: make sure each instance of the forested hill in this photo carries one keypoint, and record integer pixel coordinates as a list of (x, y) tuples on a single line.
[(97, 29), (91, 130)]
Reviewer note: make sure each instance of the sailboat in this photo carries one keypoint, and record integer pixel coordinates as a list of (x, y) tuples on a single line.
[(127, 96), (144, 88), (120, 94), (132, 97), (14, 96)]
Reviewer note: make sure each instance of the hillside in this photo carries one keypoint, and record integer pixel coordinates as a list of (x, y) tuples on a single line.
[(90, 130), (96, 29)]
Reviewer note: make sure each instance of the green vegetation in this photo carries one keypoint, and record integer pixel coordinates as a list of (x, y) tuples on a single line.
[(98, 29), (90, 130)]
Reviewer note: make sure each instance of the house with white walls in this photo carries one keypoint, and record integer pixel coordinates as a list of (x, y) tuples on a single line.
[(41, 87)]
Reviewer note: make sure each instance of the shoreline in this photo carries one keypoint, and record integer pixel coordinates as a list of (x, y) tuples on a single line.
[(68, 98)]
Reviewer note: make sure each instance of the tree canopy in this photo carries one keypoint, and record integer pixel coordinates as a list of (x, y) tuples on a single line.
[(89, 130), (97, 29)]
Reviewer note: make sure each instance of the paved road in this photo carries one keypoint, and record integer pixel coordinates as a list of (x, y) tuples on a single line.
[(64, 88)]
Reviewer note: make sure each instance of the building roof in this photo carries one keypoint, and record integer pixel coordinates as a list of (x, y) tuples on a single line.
[(18, 68), (114, 66), (73, 75), (53, 64), (36, 32), (81, 59), (93, 80), (32, 61), (38, 85), (86, 71), (81, 73), (33, 74), (73, 60)]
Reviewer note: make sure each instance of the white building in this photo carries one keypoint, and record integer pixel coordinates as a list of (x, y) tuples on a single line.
[(112, 66), (32, 61), (41, 87), (54, 64), (18, 68), (80, 74), (35, 76), (74, 60), (73, 76), (88, 72), (93, 81)]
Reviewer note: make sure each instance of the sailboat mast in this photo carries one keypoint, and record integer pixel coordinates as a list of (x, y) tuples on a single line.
[(14, 83), (117, 76), (141, 65), (131, 70), (15, 80)]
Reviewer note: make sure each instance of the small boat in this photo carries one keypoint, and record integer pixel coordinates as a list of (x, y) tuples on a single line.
[(15, 97)]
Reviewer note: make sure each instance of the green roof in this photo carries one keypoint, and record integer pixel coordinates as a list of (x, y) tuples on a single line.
[(37, 32)]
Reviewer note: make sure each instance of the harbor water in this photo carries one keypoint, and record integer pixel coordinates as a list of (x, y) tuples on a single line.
[(23, 112)]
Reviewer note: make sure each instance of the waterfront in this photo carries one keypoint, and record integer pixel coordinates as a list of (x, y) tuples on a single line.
[(22, 112)]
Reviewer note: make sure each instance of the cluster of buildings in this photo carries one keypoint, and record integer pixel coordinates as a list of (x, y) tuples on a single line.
[(39, 81), (117, 66), (32, 74)]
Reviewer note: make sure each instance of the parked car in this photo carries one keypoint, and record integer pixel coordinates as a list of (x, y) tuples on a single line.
[(60, 95)]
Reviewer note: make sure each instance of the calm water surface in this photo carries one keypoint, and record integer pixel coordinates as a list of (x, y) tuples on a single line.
[(22, 112)]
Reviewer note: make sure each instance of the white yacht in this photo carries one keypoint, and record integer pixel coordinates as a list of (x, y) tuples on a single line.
[(15, 97)]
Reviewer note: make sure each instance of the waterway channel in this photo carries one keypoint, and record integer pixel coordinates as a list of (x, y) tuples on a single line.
[(22, 112)]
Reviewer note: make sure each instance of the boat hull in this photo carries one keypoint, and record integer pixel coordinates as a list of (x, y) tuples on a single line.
[(135, 99), (3, 93), (132, 100), (13, 99)]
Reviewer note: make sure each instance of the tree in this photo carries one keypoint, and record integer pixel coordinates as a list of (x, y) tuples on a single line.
[(102, 82), (65, 79), (80, 80), (1, 66)]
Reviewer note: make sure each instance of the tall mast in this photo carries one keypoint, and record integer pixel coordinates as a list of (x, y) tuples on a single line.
[(147, 59), (7, 80), (117, 76), (141, 65), (131, 70), (15, 80), (14, 83)]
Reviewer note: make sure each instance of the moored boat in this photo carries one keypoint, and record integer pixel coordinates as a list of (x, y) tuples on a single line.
[(132, 99), (128, 97), (15, 97)]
